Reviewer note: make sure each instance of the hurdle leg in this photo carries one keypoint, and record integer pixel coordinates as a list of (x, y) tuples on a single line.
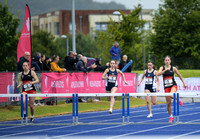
[(128, 107), (22, 108), (76, 108), (73, 108), (174, 103), (123, 108), (26, 103), (177, 103)]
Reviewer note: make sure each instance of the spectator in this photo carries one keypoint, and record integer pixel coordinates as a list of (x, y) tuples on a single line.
[(23, 59), (81, 65), (37, 63), (54, 65), (123, 63), (46, 64), (99, 67), (115, 52), (71, 60)]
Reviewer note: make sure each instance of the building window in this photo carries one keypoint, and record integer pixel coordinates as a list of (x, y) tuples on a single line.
[(70, 27), (41, 28), (46, 27), (101, 26), (50, 27), (56, 28)]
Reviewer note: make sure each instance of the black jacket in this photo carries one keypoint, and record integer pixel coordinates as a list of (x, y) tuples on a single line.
[(36, 63), (46, 67), (70, 62), (99, 67), (20, 63), (80, 66), (123, 64)]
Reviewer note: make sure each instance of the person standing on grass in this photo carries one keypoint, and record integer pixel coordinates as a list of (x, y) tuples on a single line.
[(150, 85), (110, 75), (170, 85), (28, 78), (115, 52)]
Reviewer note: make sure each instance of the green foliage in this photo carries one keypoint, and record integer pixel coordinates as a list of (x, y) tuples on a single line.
[(128, 33), (86, 46), (8, 39), (177, 30), (47, 44)]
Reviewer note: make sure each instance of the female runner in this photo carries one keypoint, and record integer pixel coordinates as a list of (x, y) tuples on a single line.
[(28, 78), (170, 85), (110, 75), (150, 85)]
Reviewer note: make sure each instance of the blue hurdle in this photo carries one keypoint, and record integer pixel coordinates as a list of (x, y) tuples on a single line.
[(26, 107), (177, 107), (22, 107), (174, 103), (123, 108), (128, 108)]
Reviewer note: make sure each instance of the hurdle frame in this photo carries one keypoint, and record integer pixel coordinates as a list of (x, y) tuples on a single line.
[(124, 117)]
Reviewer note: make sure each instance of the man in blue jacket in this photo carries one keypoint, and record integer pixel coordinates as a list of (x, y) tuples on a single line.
[(115, 52)]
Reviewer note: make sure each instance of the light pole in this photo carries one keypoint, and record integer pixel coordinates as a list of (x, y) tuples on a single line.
[(65, 37), (80, 17), (73, 27), (149, 41), (143, 51)]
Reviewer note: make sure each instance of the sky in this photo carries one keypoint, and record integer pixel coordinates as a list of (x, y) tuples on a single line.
[(129, 4)]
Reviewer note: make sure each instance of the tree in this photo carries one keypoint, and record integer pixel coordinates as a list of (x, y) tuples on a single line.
[(47, 44), (87, 46), (128, 33), (8, 39), (176, 27)]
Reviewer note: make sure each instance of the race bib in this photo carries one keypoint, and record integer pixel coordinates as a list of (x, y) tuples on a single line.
[(28, 87), (148, 81), (112, 79), (168, 82)]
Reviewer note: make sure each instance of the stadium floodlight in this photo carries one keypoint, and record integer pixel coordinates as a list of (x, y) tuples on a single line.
[(65, 37)]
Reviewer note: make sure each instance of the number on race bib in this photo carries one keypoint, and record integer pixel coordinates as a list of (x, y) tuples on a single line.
[(28, 87), (149, 81)]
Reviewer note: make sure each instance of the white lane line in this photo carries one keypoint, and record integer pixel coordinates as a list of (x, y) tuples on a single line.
[(123, 125), (182, 135), (69, 126), (122, 135)]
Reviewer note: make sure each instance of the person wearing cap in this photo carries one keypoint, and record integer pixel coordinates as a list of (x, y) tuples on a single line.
[(115, 52), (71, 60)]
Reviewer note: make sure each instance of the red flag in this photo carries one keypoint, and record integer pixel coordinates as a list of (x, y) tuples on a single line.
[(24, 44)]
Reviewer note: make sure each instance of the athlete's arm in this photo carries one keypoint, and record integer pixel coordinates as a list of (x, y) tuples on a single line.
[(35, 77), (161, 71), (179, 75), (142, 78), (20, 80), (119, 71), (155, 73), (104, 75)]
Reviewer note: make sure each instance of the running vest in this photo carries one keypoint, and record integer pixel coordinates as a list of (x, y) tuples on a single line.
[(26, 82), (150, 81), (168, 78), (112, 76)]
